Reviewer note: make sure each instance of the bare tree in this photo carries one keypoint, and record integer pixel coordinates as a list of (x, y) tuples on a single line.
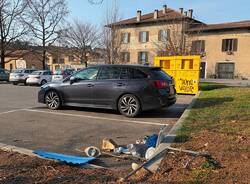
[(95, 1), (46, 18), (173, 38), (111, 40), (82, 37), (11, 26)]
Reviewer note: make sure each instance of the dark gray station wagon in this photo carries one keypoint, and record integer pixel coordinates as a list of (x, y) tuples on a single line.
[(129, 89)]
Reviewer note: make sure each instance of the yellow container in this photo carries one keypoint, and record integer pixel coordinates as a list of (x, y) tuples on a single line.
[(184, 69)]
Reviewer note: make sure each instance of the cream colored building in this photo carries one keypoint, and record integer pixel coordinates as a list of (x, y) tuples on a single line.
[(224, 48)]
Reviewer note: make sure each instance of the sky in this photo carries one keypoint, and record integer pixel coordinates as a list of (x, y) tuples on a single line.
[(207, 11)]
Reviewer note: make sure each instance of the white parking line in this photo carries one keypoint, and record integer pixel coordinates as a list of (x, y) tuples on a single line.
[(94, 117), (7, 112)]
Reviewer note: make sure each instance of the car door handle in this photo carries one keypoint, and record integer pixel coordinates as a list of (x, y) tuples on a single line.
[(120, 84), (90, 85)]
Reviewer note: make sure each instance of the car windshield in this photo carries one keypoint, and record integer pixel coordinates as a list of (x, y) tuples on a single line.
[(36, 73), (17, 71)]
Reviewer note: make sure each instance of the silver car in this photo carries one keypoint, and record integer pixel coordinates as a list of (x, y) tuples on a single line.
[(20, 76)]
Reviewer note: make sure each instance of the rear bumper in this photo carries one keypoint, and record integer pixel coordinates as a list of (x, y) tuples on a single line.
[(151, 103)]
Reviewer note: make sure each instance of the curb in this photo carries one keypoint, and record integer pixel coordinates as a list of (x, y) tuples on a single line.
[(28, 152), (24, 151), (170, 137)]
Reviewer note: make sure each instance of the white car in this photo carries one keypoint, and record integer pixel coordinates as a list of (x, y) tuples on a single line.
[(61, 74), (39, 77), (20, 76)]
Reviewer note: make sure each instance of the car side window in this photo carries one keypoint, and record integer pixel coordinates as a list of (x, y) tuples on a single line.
[(26, 71), (107, 73), (87, 74), (132, 73)]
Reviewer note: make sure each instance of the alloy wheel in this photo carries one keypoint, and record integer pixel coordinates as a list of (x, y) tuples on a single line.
[(52, 100), (129, 106)]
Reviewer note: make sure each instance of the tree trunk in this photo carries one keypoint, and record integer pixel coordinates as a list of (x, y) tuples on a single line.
[(2, 55), (2, 61)]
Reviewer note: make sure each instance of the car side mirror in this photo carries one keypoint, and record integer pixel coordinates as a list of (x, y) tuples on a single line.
[(72, 80)]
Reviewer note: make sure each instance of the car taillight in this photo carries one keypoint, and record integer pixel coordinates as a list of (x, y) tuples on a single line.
[(159, 84)]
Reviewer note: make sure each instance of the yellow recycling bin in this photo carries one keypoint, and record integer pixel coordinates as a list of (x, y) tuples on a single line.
[(184, 69)]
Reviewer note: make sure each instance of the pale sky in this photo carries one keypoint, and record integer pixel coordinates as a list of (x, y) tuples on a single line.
[(208, 11)]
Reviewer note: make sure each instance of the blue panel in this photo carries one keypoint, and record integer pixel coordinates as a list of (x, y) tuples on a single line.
[(64, 158)]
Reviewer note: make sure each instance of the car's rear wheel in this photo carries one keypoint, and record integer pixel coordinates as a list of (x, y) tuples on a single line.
[(52, 100), (129, 105), (15, 83)]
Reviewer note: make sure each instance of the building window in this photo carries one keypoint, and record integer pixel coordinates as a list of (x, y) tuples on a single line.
[(125, 38), (143, 36), (71, 58), (143, 58), (198, 46), (58, 61), (163, 35), (125, 57), (229, 45)]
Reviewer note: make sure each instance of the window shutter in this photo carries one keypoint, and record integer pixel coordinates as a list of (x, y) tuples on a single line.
[(147, 38), (168, 36), (159, 35), (146, 56), (140, 33), (139, 56), (128, 57), (193, 47), (128, 37), (121, 37), (223, 45), (235, 44), (202, 45)]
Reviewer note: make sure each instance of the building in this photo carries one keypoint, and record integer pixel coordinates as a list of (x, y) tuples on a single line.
[(222, 47), (57, 58)]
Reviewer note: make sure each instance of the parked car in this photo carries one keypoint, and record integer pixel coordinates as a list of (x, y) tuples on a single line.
[(39, 77), (61, 74), (127, 88), (20, 75), (4, 75)]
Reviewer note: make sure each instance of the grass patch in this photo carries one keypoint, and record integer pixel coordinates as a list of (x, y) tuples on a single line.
[(219, 108), (207, 86)]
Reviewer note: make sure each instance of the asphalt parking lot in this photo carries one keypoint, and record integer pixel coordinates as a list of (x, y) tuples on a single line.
[(26, 123)]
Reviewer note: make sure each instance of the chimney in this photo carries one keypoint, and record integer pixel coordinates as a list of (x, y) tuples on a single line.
[(156, 14), (138, 17), (190, 13), (181, 10), (165, 8), (185, 13)]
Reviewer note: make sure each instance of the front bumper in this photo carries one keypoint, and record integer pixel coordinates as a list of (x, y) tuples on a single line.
[(41, 95)]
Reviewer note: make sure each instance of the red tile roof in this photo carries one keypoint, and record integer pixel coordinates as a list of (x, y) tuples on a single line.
[(148, 18), (222, 26)]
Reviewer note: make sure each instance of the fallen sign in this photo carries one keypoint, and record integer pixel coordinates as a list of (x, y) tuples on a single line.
[(65, 158), (164, 149)]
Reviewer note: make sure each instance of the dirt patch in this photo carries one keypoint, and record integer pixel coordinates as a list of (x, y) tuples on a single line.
[(16, 168), (229, 164)]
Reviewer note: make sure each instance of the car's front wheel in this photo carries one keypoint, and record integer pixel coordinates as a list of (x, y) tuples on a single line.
[(129, 105), (52, 100)]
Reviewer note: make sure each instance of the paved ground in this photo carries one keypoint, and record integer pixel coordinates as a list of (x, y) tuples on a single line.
[(25, 123)]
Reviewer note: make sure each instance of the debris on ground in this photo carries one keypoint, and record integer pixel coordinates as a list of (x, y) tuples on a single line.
[(65, 158), (93, 151), (108, 144)]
